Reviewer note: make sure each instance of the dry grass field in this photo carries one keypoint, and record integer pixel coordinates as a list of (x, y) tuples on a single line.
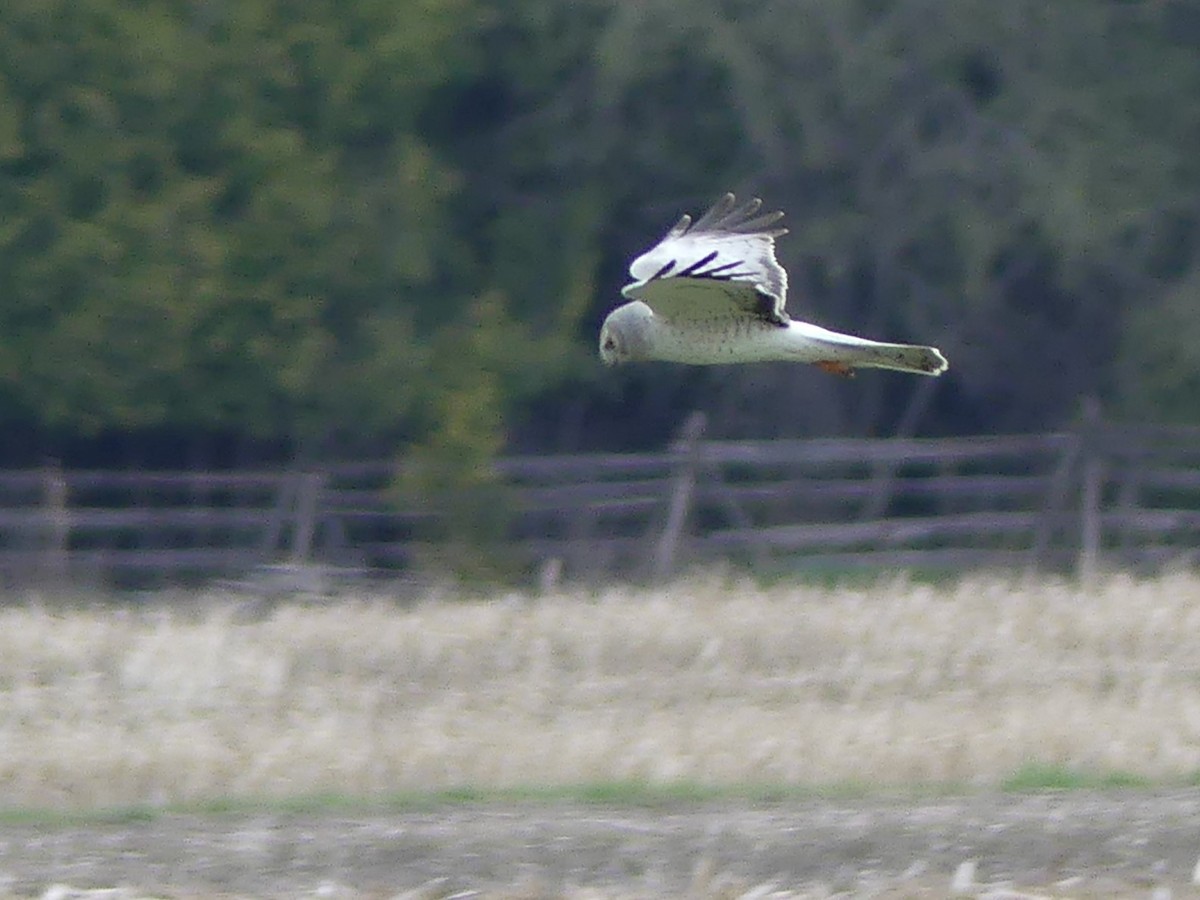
[(712, 682), (708, 681)]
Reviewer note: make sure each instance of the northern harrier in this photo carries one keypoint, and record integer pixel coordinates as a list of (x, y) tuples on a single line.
[(712, 292)]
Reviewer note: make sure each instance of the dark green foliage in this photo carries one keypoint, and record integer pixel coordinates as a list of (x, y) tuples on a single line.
[(357, 226), (226, 216), (990, 177)]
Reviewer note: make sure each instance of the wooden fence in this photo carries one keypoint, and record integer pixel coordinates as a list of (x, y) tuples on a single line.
[(1100, 495)]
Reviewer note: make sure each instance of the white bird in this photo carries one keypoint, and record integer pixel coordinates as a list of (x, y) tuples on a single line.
[(712, 292)]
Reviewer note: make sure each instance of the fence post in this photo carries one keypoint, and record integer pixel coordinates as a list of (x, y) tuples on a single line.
[(1055, 508), (285, 501), (687, 446), (309, 491), (57, 530), (1090, 493)]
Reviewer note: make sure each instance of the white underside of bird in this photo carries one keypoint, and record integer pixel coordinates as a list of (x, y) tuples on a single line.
[(718, 341), (713, 293)]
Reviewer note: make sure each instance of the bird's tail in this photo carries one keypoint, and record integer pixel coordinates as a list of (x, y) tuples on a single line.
[(844, 352)]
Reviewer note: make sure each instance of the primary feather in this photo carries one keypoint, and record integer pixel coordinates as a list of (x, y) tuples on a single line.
[(713, 292), (726, 259)]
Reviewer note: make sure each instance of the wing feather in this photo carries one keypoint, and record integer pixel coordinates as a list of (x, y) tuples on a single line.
[(723, 264)]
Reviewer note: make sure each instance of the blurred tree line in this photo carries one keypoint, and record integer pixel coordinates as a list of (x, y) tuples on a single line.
[(273, 228)]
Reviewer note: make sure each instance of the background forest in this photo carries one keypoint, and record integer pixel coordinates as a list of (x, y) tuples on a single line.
[(237, 231)]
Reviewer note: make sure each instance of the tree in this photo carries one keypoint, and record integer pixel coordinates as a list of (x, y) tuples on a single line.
[(224, 216), (340, 225), (975, 174)]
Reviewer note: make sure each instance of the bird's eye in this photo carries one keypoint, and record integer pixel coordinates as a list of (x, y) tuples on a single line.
[(610, 344)]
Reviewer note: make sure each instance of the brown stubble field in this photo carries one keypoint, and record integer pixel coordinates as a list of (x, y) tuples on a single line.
[(712, 681)]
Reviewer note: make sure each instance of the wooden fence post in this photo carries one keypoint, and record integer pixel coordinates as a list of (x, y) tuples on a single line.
[(682, 487), (57, 528), (1090, 493), (308, 494), (1055, 507), (276, 522)]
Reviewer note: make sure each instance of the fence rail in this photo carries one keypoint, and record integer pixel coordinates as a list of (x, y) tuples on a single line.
[(1099, 494)]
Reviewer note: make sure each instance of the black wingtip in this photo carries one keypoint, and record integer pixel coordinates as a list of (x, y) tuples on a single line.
[(722, 209), (680, 227), (725, 215)]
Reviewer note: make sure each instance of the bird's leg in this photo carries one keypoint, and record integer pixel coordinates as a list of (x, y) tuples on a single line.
[(833, 367)]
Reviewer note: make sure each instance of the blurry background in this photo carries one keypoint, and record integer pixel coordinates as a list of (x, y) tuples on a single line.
[(252, 231), (255, 253)]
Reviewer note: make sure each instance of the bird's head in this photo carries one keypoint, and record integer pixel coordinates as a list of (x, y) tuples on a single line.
[(625, 335)]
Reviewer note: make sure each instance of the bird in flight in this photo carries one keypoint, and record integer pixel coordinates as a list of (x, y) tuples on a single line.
[(712, 292)]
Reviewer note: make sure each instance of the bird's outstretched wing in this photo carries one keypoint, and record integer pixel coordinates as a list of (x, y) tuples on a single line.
[(722, 265)]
